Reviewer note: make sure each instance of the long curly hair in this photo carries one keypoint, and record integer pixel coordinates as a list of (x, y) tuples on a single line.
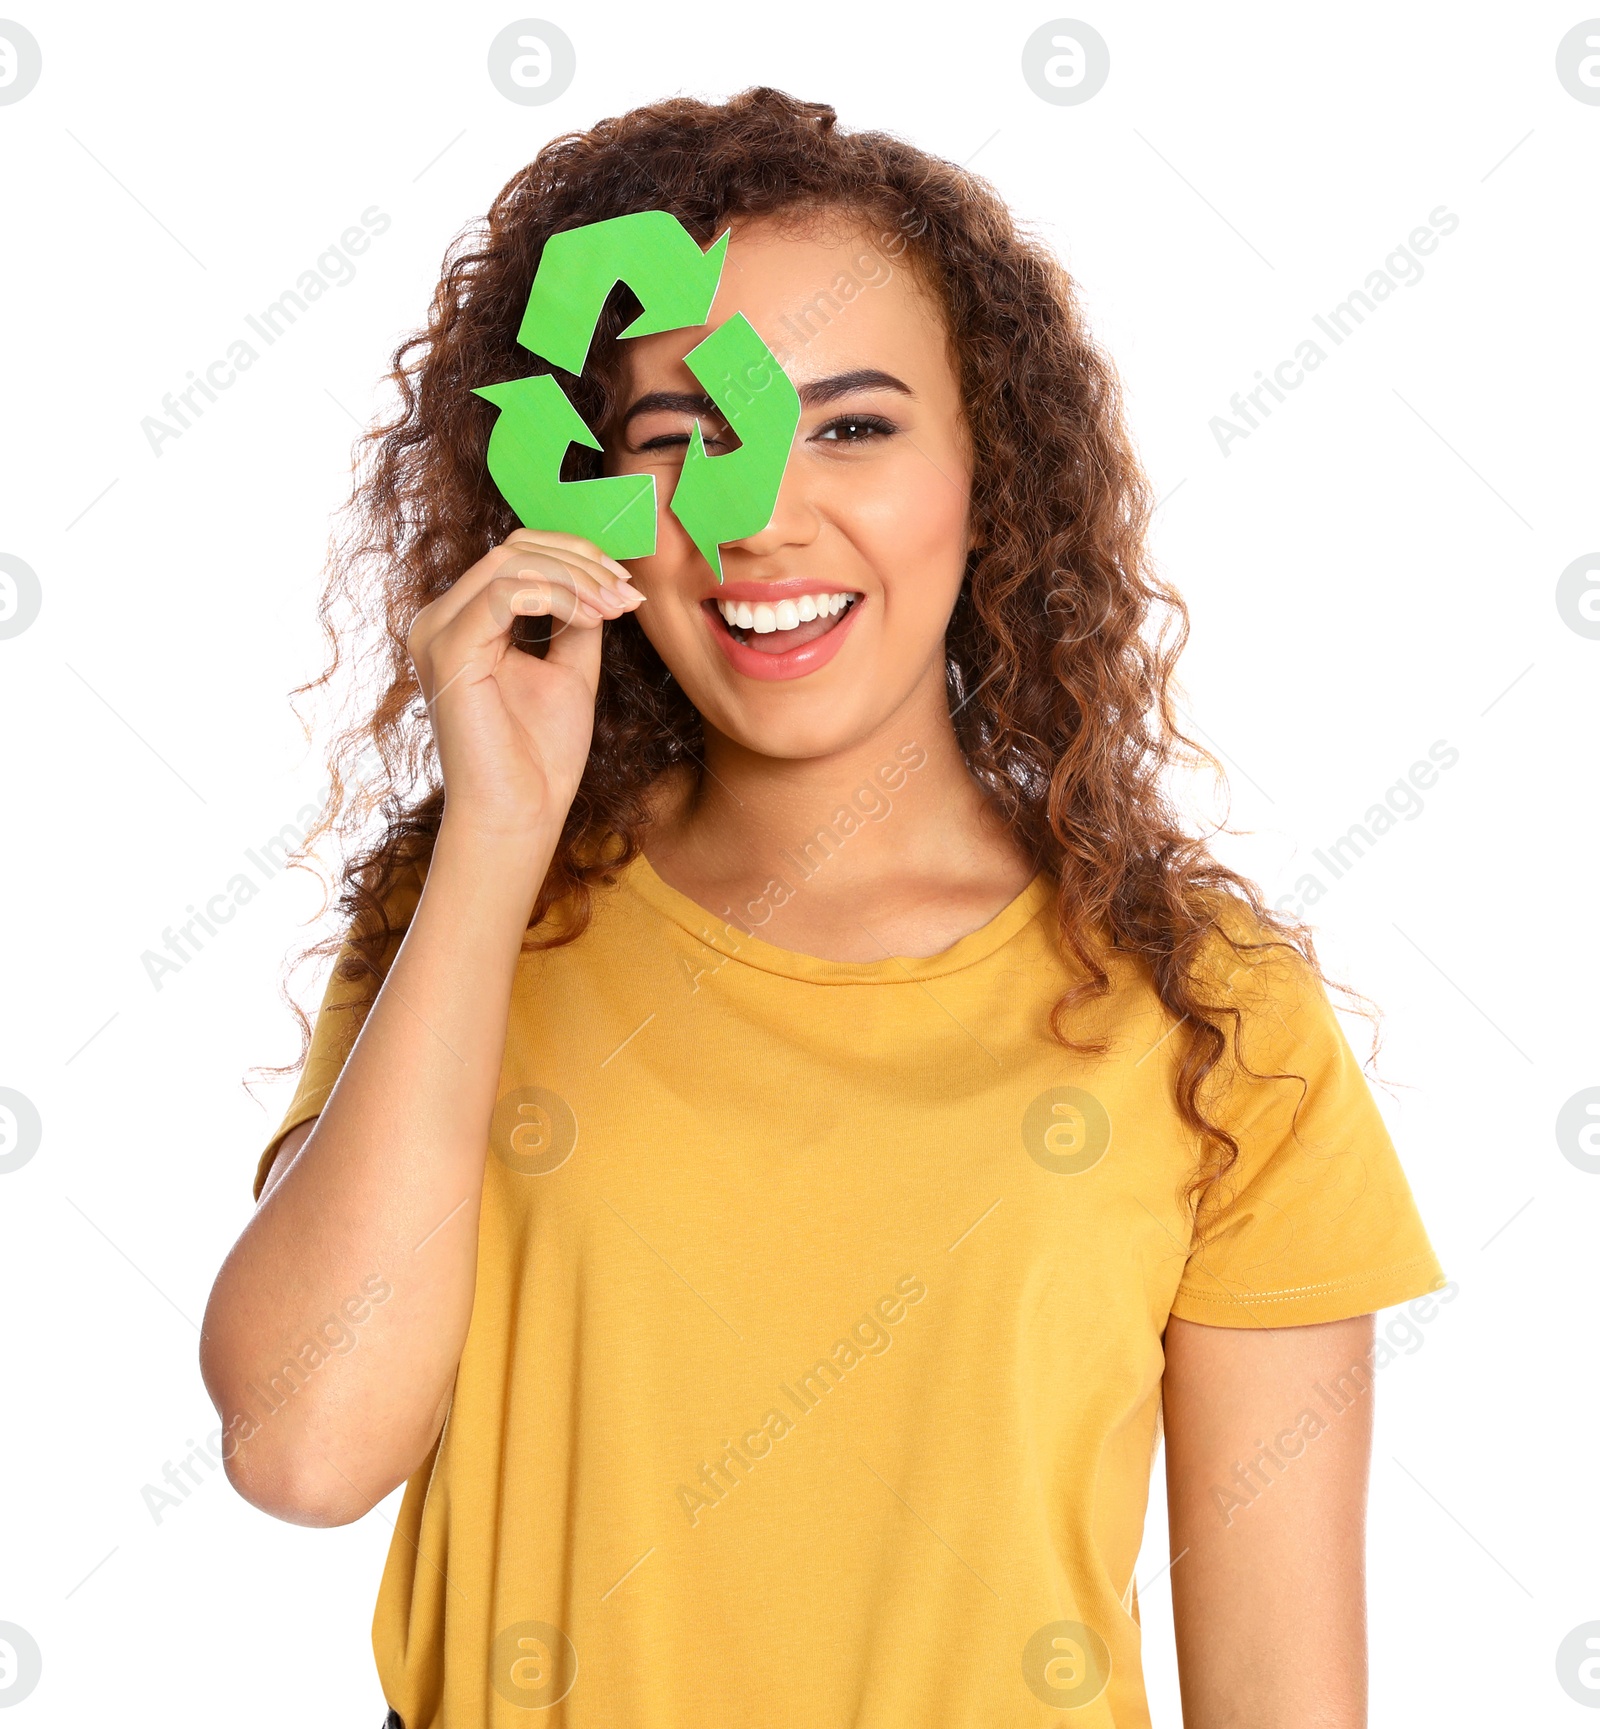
[(1062, 644)]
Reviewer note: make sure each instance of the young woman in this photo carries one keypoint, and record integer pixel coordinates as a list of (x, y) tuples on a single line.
[(796, 1105)]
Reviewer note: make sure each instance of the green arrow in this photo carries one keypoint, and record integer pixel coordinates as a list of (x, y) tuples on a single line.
[(722, 498), (530, 437), (650, 250), (717, 499)]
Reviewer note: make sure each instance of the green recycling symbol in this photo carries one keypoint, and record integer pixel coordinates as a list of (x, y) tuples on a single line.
[(718, 498)]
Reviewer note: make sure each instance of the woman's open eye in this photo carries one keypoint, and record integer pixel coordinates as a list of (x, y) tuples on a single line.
[(855, 429)]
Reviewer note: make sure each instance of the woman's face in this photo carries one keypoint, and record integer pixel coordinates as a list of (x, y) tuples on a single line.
[(873, 505)]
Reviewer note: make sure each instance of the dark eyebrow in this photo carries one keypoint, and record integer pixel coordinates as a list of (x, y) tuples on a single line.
[(669, 401), (821, 390), (813, 394)]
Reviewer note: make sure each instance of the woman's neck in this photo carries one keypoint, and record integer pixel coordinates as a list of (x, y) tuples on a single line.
[(888, 846)]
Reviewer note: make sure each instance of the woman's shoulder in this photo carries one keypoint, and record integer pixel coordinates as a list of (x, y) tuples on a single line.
[(1269, 996), (1227, 951), (1250, 957)]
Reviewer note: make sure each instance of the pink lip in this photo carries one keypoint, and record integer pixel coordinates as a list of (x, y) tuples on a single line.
[(796, 662)]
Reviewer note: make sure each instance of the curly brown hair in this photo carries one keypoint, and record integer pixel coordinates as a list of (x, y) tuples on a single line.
[(1062, 644)]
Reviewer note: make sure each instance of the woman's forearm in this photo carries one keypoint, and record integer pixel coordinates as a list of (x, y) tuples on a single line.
[(365, 1248)]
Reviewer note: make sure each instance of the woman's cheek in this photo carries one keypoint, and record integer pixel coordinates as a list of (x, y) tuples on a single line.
[(915, 526)]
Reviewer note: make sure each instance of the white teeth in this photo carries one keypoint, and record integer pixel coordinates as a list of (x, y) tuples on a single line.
[(786, 614)]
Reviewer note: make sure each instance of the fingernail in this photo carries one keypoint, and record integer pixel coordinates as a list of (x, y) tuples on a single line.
[(612, 565)]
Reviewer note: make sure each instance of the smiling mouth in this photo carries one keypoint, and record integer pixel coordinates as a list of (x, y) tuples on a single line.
[(769, 628)]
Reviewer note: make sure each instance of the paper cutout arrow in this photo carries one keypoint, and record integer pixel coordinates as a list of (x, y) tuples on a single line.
[(650, 250), (530, 436), (717, 499), (722, 498)]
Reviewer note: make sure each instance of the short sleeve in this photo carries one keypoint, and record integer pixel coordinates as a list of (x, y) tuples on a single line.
[(1315, 1221), (339, 1020)]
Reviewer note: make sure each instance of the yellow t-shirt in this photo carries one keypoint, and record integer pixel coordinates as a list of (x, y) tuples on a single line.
[(815, 1363)]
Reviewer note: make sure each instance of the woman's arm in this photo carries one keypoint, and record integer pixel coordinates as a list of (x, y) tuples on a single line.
[(333, 1332), (1268, 1438), (397, 1151)]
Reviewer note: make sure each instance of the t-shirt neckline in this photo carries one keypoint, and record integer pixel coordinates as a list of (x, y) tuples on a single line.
[(640, 876)]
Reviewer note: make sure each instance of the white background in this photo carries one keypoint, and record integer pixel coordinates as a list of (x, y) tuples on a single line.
[(1372, 570)]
